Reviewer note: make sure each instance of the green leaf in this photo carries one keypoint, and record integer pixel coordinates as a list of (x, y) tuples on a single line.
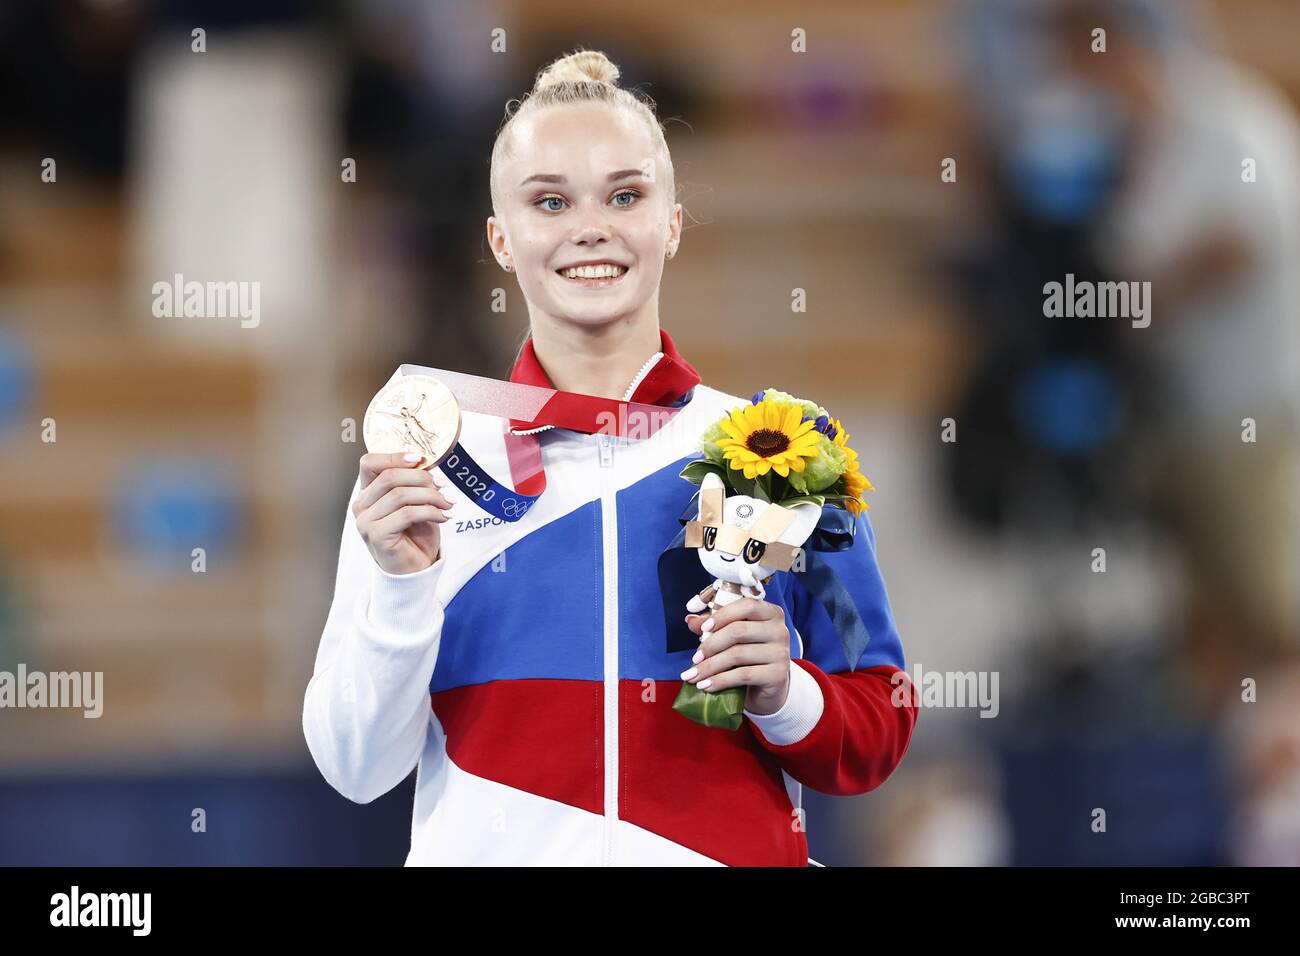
[(696, 470), (818, 500), (742, 485), (722, 709), (779, 487)]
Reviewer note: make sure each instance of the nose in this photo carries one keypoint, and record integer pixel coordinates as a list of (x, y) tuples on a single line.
[(591, 229), (590, 235)]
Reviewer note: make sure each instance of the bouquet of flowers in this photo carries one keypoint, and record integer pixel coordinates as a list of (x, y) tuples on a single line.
[(768, 470), (784, 450)]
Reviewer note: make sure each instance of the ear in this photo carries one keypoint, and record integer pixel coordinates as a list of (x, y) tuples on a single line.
[(806, 516), (497, 240), (674, 231), (712, 494)]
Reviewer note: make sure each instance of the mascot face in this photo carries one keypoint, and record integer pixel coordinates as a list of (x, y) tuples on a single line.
[(745, 540)]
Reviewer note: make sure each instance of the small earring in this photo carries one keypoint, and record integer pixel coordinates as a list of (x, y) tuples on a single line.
[(508, 267)]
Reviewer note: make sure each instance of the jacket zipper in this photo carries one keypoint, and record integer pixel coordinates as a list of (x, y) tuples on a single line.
[(609, 532), (609, 541)]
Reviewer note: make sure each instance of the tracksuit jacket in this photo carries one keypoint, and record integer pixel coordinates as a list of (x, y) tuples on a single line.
[(525, 674)]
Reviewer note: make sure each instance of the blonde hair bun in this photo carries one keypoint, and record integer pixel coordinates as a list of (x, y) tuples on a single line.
[(583, 76), (583, 66)]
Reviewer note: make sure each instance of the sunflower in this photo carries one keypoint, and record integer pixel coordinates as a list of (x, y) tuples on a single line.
[(855, 482), (769, 435)]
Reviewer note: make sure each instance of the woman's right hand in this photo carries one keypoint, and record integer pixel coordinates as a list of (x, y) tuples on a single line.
[(398, 510)]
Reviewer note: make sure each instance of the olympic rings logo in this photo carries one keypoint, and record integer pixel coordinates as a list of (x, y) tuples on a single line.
[(513, 508)]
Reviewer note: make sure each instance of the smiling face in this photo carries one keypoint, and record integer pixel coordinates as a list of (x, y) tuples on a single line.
[(584, 212)]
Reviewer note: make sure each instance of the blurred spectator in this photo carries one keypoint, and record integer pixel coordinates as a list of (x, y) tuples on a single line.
[(1046, 418), (1265, 737), (421, 109), (1209, 213), (1118, 146)]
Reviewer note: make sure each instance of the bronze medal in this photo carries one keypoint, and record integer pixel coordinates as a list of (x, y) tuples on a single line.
[(414, 413)]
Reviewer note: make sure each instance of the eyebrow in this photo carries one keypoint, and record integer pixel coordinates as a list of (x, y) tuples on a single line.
[(557, 178)]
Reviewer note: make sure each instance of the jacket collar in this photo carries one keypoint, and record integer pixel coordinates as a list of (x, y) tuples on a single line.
[(665, 379)]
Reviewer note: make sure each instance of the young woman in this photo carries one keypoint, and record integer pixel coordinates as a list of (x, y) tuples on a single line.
[(521, 665)]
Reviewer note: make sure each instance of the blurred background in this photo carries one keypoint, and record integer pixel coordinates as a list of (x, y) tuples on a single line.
[(921, 171)]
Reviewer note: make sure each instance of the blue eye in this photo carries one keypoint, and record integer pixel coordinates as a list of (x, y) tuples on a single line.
[(631, 194)]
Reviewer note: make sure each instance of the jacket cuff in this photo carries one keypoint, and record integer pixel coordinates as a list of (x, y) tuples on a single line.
[(797, 716), (404, 605)]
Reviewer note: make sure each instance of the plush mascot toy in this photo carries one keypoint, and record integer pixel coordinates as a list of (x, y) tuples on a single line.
[(742, 542)]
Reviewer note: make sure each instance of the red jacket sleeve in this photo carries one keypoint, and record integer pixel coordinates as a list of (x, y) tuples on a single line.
[(868, 707), (865, 728)]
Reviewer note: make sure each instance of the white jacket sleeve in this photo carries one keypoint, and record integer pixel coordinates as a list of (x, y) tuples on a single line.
[(366, 711)]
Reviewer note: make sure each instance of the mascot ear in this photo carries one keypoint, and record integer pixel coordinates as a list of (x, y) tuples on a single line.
[(712, 493), (806, 516)]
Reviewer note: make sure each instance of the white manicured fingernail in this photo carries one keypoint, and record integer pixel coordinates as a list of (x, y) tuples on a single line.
[(707, 625), (687, 675), (704, 683), (411, 456), (699, 656)]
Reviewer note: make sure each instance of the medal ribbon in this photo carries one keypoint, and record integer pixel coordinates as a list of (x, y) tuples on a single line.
[(532, 406)]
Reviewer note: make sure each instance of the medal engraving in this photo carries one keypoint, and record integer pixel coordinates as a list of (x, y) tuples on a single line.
[(415, 413)]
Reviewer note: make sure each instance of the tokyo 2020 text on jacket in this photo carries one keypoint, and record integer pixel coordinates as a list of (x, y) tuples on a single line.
[(525, 673)]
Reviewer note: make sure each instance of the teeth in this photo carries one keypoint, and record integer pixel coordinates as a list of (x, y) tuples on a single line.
[(605, 270)]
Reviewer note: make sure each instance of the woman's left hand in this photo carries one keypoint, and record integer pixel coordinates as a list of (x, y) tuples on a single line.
[(748, 645)]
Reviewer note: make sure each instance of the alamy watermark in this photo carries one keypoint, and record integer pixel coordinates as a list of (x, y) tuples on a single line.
[(208, 300), (129, 910), (935, 689), (1102, 300), (58, 689)]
